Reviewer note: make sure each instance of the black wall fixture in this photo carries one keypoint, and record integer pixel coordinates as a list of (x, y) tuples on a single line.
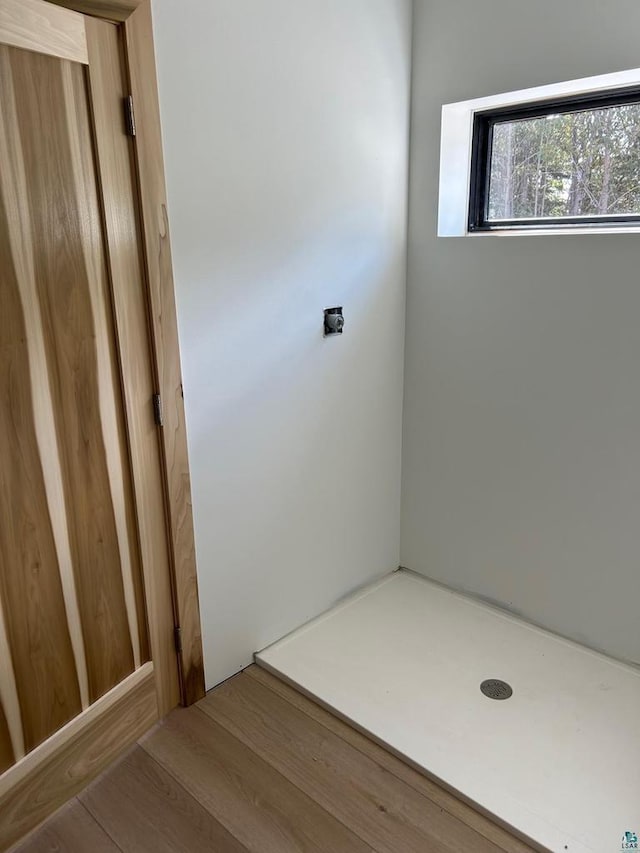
[(333, 321)]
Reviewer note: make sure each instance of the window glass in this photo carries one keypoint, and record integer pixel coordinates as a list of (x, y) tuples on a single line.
[(572, 164), (560, 163)]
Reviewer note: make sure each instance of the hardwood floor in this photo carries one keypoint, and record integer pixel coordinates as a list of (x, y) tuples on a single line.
[(256, 766)]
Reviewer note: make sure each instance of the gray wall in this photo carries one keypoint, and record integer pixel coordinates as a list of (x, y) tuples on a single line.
[(521, 457), (286, 139)]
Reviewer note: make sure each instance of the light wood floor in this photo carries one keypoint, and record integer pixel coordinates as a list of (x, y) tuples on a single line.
[(258, 767)]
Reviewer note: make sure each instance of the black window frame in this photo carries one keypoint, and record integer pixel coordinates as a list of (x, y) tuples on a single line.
[(483, 123)]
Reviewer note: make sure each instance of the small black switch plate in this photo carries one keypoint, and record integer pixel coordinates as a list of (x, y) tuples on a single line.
[(333, 321)]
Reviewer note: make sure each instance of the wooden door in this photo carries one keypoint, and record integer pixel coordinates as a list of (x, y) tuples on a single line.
[(86, 615)]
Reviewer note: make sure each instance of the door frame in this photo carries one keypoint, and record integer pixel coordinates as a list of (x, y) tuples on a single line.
[(135, 18)]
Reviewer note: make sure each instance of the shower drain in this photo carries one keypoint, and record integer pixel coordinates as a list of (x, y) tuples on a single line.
[(496, 689)]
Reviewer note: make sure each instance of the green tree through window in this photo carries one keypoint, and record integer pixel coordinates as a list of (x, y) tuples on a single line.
[(569, 161), (566, 164)]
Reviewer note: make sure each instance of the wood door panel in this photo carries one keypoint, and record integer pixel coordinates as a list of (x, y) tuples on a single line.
[(71, 283), (31, 594), (109, 382), (62, 281)]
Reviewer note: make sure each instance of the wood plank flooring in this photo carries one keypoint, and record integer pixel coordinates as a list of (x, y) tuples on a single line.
[(256, 766)]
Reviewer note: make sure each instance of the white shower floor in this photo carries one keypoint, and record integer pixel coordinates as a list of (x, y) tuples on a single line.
[(403, 660)]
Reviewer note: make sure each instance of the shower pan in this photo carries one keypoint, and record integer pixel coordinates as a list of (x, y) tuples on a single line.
[(540, 732)]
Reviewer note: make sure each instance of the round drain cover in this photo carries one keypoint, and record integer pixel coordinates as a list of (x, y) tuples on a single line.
[(496, 689)]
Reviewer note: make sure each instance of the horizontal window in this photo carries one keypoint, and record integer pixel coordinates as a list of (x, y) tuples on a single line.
[(557, 163)]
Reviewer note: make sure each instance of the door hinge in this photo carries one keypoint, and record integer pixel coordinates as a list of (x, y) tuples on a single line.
[(129, 116), (157, 410), (177, 639)]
